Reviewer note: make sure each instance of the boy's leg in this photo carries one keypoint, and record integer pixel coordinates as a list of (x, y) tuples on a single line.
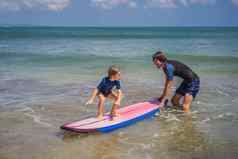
[(113, 111), (176, 98), (114, 96), (101, 105), (188, 98)]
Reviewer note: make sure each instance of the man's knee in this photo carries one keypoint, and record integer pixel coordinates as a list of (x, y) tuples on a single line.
[(175, 100)]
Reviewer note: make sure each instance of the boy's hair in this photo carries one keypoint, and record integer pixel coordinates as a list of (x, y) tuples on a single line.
[(160, 56), (113, 70)]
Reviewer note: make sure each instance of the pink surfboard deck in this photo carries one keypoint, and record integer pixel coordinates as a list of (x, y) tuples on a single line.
[(127, 116)]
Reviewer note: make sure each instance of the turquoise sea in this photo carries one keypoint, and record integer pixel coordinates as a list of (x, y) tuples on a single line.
[(47, 74)]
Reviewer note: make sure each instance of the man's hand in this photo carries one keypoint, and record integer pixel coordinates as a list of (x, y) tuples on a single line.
[(161, 99)]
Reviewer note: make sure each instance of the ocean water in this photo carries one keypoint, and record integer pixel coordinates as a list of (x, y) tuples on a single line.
[(47, 74)]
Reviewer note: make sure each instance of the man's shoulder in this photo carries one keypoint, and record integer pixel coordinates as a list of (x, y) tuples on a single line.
[(174, 62), (169, 66)]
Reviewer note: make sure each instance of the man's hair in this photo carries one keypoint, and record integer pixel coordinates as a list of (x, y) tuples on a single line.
[(113, 70), (159, 55)]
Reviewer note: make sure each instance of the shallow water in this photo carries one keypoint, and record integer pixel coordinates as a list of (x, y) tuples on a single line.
[(46, 79)]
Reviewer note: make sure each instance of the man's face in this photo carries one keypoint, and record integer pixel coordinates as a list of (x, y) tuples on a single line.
[(158, 63)]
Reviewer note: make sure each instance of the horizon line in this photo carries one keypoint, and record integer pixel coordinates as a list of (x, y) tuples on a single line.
[(114, 26)]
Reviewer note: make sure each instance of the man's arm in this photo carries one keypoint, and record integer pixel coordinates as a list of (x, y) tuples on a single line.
[(167, 90), (169, 75)]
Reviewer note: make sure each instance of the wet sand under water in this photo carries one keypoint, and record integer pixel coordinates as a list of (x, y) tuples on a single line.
[(30, 130)]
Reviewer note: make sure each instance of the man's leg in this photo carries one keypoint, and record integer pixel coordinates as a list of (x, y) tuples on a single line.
[(176, 98), (187, 102)]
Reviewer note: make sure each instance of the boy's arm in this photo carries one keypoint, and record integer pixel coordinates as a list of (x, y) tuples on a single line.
[(93, 96), (95, 92)]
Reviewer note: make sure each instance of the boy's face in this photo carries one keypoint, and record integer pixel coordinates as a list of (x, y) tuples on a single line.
[(117, 76), (158, 63)]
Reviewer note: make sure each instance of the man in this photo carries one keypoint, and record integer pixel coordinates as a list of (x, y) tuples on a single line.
[(188, 88)]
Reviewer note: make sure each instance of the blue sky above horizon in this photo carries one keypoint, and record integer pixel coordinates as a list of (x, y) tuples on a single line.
[(119, 12)]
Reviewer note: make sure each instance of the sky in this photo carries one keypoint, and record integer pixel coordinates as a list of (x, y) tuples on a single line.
[(119, 12)]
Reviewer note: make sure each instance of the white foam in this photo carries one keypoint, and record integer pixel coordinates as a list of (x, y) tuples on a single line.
[(230, 114), (131, 150), (37, 119), (121, 134), (148, 156), (221, 92), (226, 115), (157, 114), (155, 135), (26, 109), (220, 115), (205, 120), (172, 118), (235, 100), (147, 146), (195, 112)]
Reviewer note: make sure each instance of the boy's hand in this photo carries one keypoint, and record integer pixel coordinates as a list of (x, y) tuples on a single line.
[(89, 102)]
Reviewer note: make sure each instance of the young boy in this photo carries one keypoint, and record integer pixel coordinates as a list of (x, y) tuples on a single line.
[(105, 90), (189, 87)]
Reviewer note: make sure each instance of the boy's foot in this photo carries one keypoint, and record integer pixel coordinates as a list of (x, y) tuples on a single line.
[(100, 116), (114, 116)]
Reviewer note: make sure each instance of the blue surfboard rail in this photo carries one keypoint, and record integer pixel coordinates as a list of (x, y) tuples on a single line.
[(128, 122)]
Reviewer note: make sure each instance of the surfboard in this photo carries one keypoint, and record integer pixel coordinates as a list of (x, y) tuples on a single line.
[(127, 115)]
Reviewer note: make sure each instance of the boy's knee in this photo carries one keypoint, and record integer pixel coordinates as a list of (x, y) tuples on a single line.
[(101, 97), (116, 96)]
